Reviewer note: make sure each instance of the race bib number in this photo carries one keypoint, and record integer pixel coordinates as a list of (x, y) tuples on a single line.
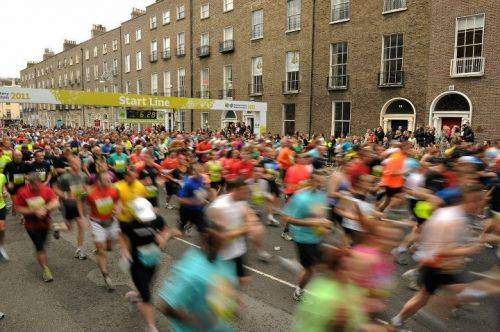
[(35, 203), (152, 191), (104, 206), (77, 190), (42, 176), (18, 179), (120, 165)]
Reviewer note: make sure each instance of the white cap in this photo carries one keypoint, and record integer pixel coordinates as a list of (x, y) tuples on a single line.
[(143, 210)]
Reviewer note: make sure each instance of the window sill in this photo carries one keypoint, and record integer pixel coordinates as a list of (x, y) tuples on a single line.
[(204, 18), (394, 11), (181, 18), (476, 74), (292, 31), (166, 23), (340, 21), (153, 28), (227, 11), (256, 38)]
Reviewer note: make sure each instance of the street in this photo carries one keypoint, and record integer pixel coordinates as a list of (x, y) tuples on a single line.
[(78, 301)]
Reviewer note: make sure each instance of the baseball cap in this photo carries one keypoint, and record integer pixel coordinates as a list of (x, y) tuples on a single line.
[(143, 210)]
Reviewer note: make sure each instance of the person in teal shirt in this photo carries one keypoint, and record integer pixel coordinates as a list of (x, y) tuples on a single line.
[(199, 294), (118, 161), (305, 213)]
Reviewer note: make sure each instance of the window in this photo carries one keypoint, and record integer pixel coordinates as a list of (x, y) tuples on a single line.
[(65, 79), (182, 120), (87, 74), (392, 61), (469, 46), (394, 5), (204, 39), (167, 84), (70, 63), (95, 51), (114, 44), (228, 34), (227, 5), (340, 10), (181, 40), (292, 72), (292, 15), (96, 72), (289, 119), (138, 34), (127, 87), (115, 66), (126, 38), (115, 88), (204, 83), (227, 91), (180, 12), (154, 83), (154, 51), (152, 22), (139, 86), (166, 47), (166, 17), (205, 11), (104, 67), (138, 60), (127, 63), (204, 120), (181, 81), (256, 86), (341, 119), (338, 66), (77, 60), (257, 24), (104, 48)]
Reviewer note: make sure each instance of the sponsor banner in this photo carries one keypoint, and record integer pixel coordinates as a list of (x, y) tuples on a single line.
[(71, 97)]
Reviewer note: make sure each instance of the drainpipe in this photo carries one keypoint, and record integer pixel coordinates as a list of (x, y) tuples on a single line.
[(191, 66), (83, 84), (313, 30)]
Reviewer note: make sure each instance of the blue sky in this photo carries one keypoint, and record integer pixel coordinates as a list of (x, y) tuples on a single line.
[(29, 26)]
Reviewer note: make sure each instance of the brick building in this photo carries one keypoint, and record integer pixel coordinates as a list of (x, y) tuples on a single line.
[(329, 66)]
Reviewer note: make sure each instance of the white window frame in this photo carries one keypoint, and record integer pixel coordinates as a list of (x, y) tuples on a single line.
[(114, 44), (253, 81), (87, 54), (260, 25), (228, 32), (95, 51), (204, 87), (181, 12), (204, 39), (87, 74), (227, 85), (181, 78), (138, 60), (283, 113), (383, 60), (138, 86), (104, 48), (166, 17), (167, 83), (334, 121), (154, 83), (153, 24), (334, 64), (290, 15), (390, 6), (96, 72), (204, 11), (292, 71), (338, 6), (126, 63), (138, 34), (183, 44), (227, 6), (127, 87), (468, 61), (126, 38), (204, 120)]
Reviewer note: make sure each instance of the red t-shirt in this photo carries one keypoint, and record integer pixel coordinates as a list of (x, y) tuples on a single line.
[(102, 202), (294, 176), (26, 197), (357, 169), (232, 167)]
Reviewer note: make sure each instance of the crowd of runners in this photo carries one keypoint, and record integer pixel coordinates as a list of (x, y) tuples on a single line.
[(332, 197)]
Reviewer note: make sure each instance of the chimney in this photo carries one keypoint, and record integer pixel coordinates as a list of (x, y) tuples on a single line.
[(30, 64), (68, 44), (136, 12), (97, 30), (47, 53)]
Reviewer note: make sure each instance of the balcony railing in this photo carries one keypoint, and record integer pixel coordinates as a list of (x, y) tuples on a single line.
[(226, 93), (391, 79), (337, 82), (290, 87), (203, 94), (154, 56), (166, 54), (255, 89), (226, 46), (467, 67), (394, 5), (180, 51), (293, 23), (203, 51), (180, 93)]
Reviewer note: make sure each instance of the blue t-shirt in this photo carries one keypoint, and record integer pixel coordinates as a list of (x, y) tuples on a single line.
[(201, 287), (192, 187), (305, 204)]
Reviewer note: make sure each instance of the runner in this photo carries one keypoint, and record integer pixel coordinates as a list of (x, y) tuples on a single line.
[(118, 162), (35, 202), (3, 215), (16, 171), (42, 167), (102, 200)]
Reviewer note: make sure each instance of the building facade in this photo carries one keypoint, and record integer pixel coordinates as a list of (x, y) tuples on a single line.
[(9, 112), (323, 66)]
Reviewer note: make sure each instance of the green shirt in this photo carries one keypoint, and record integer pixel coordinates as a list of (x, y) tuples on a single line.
[(3, 181), (119, 162), (4, 160)]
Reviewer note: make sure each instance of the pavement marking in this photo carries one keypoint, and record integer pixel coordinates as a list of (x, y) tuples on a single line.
[(281, 281), (487, 276)]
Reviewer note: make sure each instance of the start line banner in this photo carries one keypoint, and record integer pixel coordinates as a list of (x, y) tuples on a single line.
[(72, 97)]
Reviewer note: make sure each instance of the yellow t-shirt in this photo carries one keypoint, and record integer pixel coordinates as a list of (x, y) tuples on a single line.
[(127, 194)]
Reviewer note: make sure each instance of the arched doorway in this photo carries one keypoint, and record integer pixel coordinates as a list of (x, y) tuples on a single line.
[(398, 113), (228, 118), (451, 108)]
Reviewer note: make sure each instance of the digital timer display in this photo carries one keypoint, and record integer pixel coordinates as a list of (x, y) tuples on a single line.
[(142, 115)]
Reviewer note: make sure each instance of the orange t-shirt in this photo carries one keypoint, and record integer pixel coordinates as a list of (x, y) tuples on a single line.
[(392, 175), (285, 158)]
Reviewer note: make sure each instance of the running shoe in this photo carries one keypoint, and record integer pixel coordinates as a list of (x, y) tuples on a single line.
[(80, 254), (3, 254), (109, 283), (264, 256), (57, 235), (2, 315), (286, 236), (170, 206), (47, 274), (272, 221), (298, 293)]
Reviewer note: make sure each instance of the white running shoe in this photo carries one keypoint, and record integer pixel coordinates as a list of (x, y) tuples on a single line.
[(80, 254), (264, 256), (109, 283), (298, 293), (3, 254), (272, 220)]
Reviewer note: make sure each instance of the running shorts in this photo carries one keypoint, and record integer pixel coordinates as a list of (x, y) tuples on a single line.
[(142, 277), (239, 265), (70, 210), (101, 233), (3, 213), (39, 237), (433, 278), (309, 254)]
